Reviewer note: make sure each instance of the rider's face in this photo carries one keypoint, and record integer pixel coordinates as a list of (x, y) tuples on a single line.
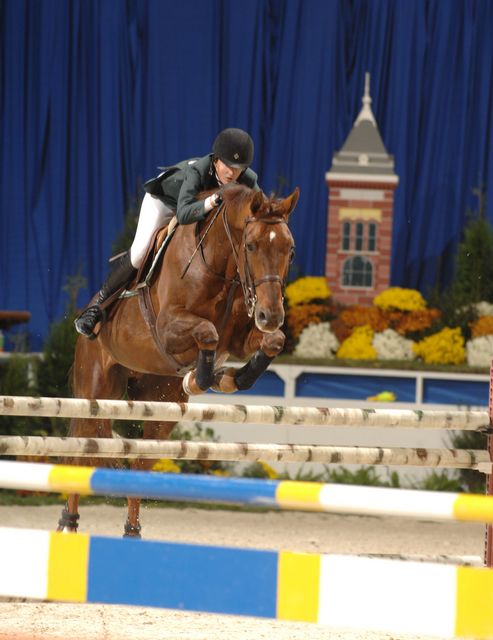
[(225, 173)]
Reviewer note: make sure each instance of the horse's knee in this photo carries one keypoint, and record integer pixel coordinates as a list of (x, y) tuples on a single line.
[(205, 335), (272, 343)]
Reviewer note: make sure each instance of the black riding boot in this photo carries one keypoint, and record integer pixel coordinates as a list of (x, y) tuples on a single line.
[(121, 274)]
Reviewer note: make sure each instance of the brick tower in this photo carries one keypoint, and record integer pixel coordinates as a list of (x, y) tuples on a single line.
[(361, 187)]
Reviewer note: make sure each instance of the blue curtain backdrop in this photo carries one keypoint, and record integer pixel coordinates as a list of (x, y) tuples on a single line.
[(95, 94)]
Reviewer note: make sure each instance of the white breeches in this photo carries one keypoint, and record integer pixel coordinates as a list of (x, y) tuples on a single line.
[(153, 214)]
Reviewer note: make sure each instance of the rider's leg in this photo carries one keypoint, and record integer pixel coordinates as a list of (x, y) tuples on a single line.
[(153, 214), (121, 274)]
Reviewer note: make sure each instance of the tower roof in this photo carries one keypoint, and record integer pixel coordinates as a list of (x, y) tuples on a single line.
[(363, 154)]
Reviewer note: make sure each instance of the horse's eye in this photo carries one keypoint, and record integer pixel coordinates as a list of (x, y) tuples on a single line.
[(251, 246), (292, 254)]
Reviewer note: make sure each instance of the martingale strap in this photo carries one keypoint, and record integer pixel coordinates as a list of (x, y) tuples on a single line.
[(147, 309)]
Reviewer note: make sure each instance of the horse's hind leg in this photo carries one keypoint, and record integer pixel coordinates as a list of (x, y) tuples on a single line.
[(161, 389), (95, 375)]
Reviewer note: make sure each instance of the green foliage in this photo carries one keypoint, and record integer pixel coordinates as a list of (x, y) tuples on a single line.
[(470, 480), (58, 355), (365, 476), (196, 431), (439, 481), (255, 470), (473, 280), (17, 378), (48, 376)]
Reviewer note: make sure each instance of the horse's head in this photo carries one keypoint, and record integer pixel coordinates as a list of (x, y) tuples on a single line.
[(264, 254)]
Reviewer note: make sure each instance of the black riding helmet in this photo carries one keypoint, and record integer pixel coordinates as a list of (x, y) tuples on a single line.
[(234, 147)]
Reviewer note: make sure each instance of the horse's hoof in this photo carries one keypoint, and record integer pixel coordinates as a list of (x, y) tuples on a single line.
[(190, 386), (224, 380), (132, 530)]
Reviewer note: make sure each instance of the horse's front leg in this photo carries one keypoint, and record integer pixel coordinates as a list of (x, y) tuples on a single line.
[(69, 520), (202, 377), (229, 379)]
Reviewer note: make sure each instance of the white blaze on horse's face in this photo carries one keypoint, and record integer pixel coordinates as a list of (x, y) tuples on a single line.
[(272, 235)]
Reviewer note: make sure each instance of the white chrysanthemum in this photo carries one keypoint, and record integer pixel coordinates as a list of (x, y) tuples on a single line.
[(317, 341), (480, 351), (484, 309), (389, 345)]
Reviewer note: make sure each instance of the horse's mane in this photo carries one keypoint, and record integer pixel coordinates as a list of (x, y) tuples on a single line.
[(240, 195)]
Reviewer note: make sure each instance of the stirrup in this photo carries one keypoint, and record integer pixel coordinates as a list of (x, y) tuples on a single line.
[(132, 530), (87, 320), (69, 520)]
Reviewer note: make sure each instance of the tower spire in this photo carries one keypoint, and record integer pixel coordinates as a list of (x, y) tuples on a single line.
[(366, 113)]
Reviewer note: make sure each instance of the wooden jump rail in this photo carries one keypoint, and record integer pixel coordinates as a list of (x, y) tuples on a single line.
[(240, 451), (471, 420)]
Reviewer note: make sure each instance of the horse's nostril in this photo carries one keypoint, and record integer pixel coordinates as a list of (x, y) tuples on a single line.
[(262, 318)]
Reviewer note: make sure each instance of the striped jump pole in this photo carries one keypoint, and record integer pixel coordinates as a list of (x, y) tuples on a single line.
[(253, 414), (278, 494), (240, 451), (356, 593)]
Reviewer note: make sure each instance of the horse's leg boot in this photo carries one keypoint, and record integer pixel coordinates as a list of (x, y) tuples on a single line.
[(68, 521), (121, 274)]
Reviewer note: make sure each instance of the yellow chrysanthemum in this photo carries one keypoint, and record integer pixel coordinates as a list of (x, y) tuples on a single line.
[(444, 347), (400, 299), (307, 289), (270, 472), (166, 466), (359, 345)]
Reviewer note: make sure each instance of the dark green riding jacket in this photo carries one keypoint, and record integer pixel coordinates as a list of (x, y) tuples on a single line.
[(178, 186)]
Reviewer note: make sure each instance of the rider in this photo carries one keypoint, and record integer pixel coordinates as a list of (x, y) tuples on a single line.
[(174, 192)]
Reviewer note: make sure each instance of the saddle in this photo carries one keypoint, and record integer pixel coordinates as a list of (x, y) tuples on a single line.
[(149, 268)]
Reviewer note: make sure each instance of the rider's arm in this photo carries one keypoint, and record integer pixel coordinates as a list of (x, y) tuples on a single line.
[(188, 208)]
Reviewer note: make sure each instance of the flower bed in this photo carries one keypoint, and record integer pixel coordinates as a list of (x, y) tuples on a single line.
[(399, 326)]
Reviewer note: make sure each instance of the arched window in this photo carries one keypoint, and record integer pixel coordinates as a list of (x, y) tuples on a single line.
[(357, 272)]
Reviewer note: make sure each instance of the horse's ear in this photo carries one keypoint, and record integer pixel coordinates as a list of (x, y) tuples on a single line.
[(257, 201), (289, 203)]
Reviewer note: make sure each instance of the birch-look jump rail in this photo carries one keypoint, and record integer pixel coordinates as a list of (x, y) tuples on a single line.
[(466, 420), (478, 460)]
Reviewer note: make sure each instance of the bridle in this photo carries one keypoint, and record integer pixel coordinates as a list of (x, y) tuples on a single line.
[(248, 284)]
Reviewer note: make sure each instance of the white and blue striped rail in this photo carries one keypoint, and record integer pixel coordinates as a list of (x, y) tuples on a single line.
[(278, 494)]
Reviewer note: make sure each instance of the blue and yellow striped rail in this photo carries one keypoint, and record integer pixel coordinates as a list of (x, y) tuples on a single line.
[(279, 494), (341, 591)]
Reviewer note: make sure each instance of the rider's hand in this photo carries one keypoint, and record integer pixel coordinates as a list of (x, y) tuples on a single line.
[(218, 198), (213, 201)]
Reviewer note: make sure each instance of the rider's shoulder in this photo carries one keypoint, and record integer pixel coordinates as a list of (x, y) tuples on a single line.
[(249, 178), (156, 185)]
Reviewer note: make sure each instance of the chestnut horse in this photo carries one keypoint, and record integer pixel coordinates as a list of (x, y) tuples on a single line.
[(219, 292)]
